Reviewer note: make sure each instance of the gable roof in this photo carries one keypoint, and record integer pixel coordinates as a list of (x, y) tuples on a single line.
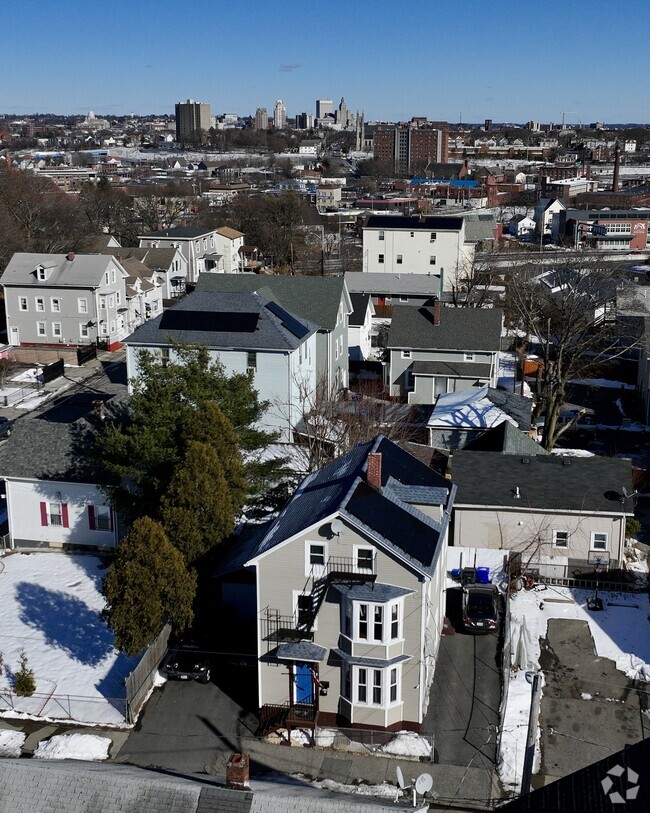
[(507, 439), (178, 232), (252, 321), (83, 271), (316, 299), (157, 259), (341, 487), (231, 234), (545, 482), (359, 309), (471, 329), (480, 408)]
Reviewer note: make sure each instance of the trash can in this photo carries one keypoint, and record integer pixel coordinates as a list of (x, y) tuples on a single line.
[(483, 575), (237, 772)]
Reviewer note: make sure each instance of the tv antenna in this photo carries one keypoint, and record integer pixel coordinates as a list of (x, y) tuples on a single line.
[(419, 787)]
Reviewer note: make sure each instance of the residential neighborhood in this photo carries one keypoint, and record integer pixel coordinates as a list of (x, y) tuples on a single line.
[(324, 419)]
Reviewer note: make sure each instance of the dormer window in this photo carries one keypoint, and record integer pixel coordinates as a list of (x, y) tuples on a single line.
[(41, 273)]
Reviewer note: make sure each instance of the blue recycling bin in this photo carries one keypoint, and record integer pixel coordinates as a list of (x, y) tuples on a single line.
[(483, 575)]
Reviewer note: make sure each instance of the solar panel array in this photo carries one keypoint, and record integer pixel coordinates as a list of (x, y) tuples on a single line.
[(209, 321), (293, 325)]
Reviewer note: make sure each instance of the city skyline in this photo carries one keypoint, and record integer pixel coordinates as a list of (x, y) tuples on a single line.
[(459, 64)]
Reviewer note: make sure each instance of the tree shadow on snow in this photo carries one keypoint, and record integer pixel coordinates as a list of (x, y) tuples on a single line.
[(66, 622)]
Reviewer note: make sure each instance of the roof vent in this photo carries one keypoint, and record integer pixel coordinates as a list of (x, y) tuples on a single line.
[(566, 461), (517, 493), (525, 459)]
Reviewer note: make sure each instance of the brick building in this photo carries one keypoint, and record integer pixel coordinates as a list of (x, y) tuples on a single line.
[(412, 145)]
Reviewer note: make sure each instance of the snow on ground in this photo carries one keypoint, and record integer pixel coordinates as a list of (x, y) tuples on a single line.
[(572, 453), (384, 791), (73, 746), (11, 743), (615, 631), (50, 608), (506, 375), (406, 744)]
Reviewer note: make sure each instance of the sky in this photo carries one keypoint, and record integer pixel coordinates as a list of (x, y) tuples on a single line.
[(453, 62)]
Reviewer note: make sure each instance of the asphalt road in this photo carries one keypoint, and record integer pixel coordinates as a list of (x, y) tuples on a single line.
[(463, 711)]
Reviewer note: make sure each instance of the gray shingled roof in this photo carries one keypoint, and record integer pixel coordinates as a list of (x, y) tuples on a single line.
[(371, 282), (377, 592), (340, 487), (546, 482), (460, 369), (376, 662), (316, 299), (157, 259), (181, 232), (270, 330), (85, 270), (359, 309), (469, 329), (301, 651), (507, 439)]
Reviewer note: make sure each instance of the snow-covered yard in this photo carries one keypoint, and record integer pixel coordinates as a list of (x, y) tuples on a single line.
[(50, 609), (619, 632)]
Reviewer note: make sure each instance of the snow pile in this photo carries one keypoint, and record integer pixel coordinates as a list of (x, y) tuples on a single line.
[(602, 382), (11, 743), (51, 604), (383, 791), (325, 737), (616, 636), (300, 737), (586, 696), (407, 744), (88, 747)]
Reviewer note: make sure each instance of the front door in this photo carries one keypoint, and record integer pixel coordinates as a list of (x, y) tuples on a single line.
[(14, 338), (303, 690)]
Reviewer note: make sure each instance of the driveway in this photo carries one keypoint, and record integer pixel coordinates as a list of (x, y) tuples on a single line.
[(463, 709), (589, 709)]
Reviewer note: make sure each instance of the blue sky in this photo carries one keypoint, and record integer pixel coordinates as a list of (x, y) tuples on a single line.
[(501, 60)]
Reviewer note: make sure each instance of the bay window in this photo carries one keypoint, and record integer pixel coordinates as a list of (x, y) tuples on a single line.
[(372, 687), (375, 623)]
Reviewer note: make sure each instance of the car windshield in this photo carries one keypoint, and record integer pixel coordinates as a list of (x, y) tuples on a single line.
[(187, 659), (480, 606)]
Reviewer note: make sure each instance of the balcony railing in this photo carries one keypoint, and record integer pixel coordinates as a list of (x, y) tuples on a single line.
[(286, 715), (344, 569)]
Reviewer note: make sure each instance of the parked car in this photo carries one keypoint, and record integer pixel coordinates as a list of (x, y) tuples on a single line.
[(188, 664), (480, 607), (6, 427)]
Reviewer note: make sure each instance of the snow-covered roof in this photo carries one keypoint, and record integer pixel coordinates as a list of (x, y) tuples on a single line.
[(469, 409)]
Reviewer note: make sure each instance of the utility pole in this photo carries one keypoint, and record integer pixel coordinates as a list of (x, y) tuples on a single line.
[(531, 737)]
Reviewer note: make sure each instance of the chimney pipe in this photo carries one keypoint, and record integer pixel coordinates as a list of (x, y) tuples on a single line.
[(436, 312), (373, 475), (70, 256)]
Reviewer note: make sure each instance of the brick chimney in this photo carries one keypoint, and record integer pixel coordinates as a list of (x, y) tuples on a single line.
[(70, 256), (373, 476), (436, 312)]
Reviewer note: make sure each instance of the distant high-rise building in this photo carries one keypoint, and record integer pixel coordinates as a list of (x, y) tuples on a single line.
[(324, 107), (279, 115), (261, 119), (407, 146), (304, 121), (488, 125), (192, 118), (342, 114)]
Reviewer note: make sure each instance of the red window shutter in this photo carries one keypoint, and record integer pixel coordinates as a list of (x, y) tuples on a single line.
[(91, 517), (44, 513), (64, 515)]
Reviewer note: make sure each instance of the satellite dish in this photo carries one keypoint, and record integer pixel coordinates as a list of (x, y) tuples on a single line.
[(423, 783), (400, 778), (337, 526)]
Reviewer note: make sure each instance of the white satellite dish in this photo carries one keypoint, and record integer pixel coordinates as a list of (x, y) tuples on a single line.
[(337, 526), (400, 778), (423, 783)]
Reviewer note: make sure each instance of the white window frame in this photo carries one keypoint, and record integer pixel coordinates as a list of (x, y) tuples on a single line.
[(54, 516), (374, 678), (371, 620), (433, 236), (308, 551), (432, 259), (84, 330), (357, 549), (592, 540), (406, 354), (112, 275), (381, 234), (102, 302), (39, 304), (82, 305), (23, 303), (55, 304), (399, 260), (565, 544), (41, 329), (380, 259), (112, 327), (111, 301), (102, 518), (57, 330), (41, 273), (469, 356), (403, 299)]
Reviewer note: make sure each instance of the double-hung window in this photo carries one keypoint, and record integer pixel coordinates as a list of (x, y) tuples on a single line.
[(376, 623), (55, 514), (561, 539), (599, 541), (372, 687)]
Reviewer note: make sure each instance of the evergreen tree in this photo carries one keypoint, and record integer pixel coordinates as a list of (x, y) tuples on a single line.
[(197, 509), (209, 425), (24, 681), (140, 454), (147, 585)]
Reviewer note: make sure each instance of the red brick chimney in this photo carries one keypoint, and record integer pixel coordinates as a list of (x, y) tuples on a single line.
[(373, 476), (70, 256), (436, 312)]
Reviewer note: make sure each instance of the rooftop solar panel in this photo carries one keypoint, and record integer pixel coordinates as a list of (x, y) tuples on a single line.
[(209, 321), (293, 325)]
